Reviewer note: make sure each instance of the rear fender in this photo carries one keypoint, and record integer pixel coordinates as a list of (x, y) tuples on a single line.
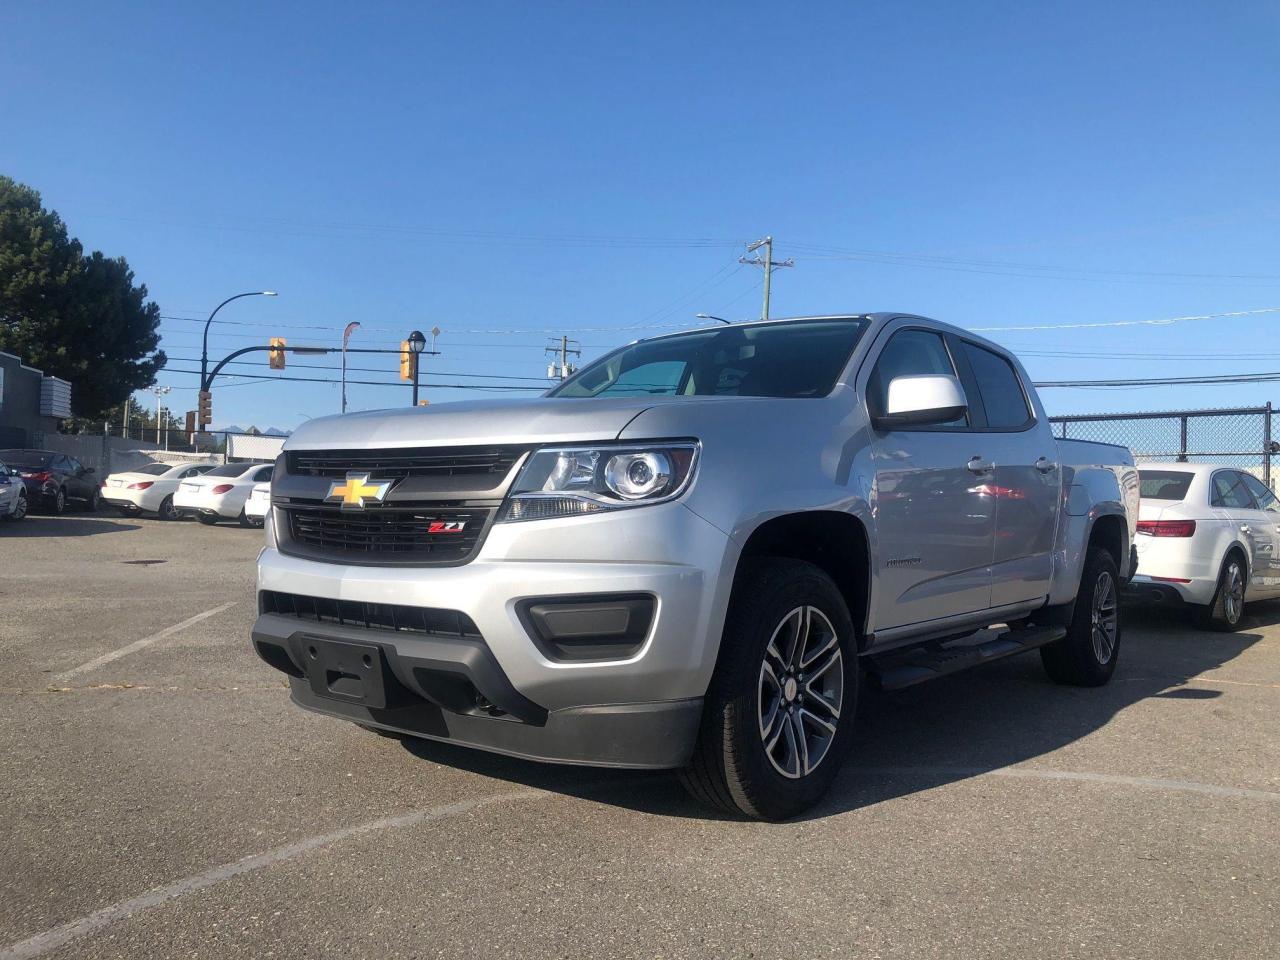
[(1088, 495)]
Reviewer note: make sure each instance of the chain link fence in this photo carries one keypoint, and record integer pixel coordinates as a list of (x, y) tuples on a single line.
[(1237, 436)]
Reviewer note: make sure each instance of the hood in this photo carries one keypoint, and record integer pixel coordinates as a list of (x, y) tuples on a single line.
[(473, 423)]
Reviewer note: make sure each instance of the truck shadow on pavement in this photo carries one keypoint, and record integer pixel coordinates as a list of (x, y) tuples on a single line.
[(37, 526), (1004, 714)]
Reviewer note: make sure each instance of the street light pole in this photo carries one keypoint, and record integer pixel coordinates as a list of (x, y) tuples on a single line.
[(204, 348), (416, 344), (346, 335), (160, 392)]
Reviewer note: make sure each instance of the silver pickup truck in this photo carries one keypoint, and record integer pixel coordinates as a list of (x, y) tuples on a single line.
[(694, 552)]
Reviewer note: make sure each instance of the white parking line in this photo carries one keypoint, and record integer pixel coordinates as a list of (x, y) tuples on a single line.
[(138, 644), (43, 943)]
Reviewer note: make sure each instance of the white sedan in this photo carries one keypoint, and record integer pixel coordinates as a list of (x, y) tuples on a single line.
[(13, 494), (150, 488), (1208, 536), (222, 492), (259, 503)]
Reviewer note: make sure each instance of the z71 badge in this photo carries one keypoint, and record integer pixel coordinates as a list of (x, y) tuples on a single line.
[(447, 526)]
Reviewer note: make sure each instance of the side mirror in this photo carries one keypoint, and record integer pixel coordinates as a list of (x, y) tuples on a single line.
[(922, 401)]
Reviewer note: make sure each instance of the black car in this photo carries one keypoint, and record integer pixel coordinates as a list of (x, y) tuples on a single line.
[(52, 479)]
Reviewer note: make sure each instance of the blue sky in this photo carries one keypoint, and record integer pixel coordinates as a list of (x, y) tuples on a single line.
[(537, 168)]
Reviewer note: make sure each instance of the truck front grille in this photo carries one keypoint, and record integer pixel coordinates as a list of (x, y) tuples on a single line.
[(397, 464), (357, 613), (425, 536)]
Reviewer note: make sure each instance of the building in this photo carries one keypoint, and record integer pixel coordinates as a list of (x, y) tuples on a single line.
[(31, 404)]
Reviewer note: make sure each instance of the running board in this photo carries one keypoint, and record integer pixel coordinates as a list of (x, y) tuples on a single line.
[(897, 670)]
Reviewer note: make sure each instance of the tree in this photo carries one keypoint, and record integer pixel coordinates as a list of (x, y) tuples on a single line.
[(74, 316)]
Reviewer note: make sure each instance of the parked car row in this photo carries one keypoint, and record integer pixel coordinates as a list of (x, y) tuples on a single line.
[(53, 482)]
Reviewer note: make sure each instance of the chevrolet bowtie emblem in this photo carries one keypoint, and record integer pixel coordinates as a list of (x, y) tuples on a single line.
[(356, 491)]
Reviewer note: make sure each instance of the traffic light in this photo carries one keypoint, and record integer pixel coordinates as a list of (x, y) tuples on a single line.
[(276, 353), (205, 405), (406, 361)]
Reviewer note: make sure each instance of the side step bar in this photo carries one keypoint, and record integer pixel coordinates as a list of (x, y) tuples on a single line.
[(897, 670)]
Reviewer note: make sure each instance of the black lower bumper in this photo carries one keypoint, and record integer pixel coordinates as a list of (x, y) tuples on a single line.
[(453, 689), (1154, 593)]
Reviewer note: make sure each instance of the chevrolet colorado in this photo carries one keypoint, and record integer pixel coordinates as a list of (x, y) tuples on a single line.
[(694, 552)]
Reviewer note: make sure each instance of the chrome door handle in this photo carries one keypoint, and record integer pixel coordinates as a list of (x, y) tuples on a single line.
[(1045, 465), (977, 465)]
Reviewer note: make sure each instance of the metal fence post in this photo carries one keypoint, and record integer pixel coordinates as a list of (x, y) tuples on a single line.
[(1266, 446), (1182, 445)]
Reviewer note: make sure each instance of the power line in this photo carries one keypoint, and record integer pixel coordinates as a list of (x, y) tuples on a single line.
[(1007, 268), (370, 383), (1160, 381), (1125, 323)]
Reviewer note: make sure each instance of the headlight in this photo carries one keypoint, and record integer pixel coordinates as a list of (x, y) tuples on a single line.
[(574, 481)]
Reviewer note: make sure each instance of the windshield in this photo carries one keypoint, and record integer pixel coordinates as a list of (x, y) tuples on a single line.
[(797, 359), (155, 469), (26, 458), (1164, 484)]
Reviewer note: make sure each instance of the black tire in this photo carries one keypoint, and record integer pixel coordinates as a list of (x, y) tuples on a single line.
[(19, 511), (1226, 610), (167, 510), (94, 503), (207, 520), (1087, 655), (731, 766), (58, 505)]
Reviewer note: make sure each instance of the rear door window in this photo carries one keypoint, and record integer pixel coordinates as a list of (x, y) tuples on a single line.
[(1003, 398), (1230, 492), (1265, 499), (1164, 484)]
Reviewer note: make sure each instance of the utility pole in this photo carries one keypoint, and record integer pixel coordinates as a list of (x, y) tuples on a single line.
[(563, 369), (768, 263)]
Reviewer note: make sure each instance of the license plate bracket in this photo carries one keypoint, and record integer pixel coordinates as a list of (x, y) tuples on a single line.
[(346, 670)]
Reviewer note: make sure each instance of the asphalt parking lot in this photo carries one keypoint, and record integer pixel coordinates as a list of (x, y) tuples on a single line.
[(161, 797)]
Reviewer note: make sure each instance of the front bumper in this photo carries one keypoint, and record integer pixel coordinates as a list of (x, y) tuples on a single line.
[(454, 691), (641, 710)]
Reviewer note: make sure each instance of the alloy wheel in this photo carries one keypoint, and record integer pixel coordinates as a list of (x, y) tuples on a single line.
[(20, 508), (1233, 594), (1106, 617), (801, 692)]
